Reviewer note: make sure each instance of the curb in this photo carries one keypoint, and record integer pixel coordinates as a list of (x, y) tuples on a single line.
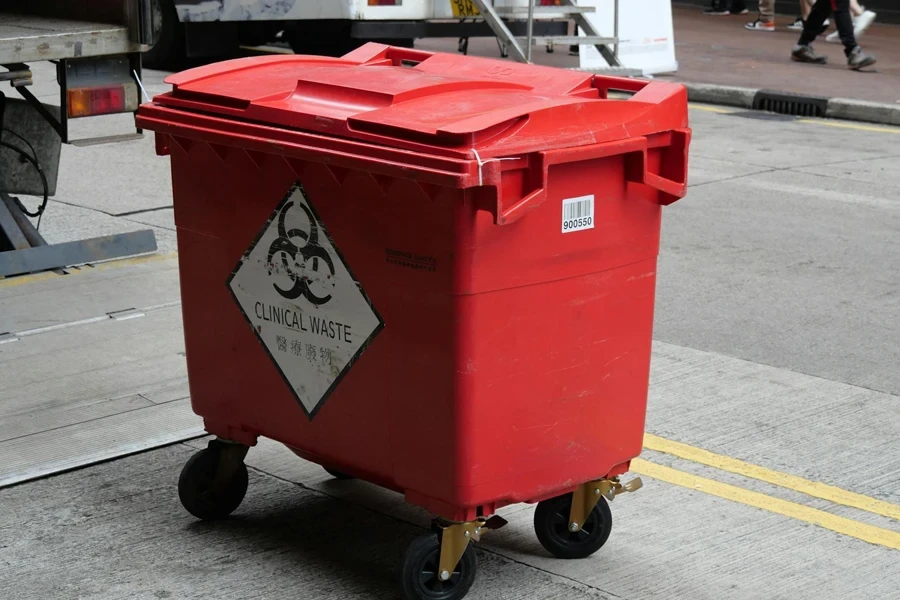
[(794, 104)]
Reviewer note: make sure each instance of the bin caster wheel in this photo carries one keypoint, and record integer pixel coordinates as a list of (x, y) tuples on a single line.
[(212, 483), (337, 474), (551, 524), (421, 579)]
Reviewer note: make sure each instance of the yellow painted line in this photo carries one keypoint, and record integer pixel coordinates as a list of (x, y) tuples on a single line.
[(125, 262), (842, 525), (840, 125), (710, 108), (792, 482)]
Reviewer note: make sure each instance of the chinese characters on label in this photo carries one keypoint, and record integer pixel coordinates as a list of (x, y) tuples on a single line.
[(315, 355)]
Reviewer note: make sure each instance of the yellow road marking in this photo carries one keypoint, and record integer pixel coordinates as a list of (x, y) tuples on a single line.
[(792, 482), (842, 525), (710, 108), (894, 130), (44, 276)]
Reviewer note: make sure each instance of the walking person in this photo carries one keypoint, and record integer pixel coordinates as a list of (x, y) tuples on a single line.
[(803, 52)]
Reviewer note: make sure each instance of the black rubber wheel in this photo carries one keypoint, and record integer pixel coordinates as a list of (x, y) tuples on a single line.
[(337, 474), (195, 487), (420, 571), (551, 524), (167, 50)]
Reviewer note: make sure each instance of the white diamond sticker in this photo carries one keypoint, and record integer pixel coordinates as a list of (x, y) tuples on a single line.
[(304, 304)]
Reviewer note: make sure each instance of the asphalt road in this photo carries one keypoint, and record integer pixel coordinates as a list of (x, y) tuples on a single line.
[(778, 316)]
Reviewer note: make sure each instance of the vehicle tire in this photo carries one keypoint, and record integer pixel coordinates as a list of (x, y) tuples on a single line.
[(551, 524), (420, 571), (197, 493), (337, 474), (168, 49)]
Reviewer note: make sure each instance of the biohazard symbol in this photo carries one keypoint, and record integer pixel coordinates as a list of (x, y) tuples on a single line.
[(311, 254)]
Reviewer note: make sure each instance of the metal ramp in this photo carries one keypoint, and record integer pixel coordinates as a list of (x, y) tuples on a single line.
[(497, 18), (92, 366)]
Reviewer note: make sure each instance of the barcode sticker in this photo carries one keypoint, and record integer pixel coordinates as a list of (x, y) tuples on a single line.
[(578, 214)]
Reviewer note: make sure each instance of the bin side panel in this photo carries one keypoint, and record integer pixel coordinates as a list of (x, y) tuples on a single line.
[(555, 331), (556, 389)]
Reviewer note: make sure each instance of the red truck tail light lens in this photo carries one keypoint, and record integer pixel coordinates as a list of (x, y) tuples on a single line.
[(385, 2), (86, 102)]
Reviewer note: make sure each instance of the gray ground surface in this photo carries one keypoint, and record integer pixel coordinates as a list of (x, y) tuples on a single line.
[(778, 317)]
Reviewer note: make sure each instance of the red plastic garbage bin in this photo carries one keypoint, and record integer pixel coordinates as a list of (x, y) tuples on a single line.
[(433, 272)]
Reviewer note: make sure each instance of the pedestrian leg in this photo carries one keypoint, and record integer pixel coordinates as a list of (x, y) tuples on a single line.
[(813, 25), (856, 58), (803, 51), (806, 8), (844, 23), (766, 20)]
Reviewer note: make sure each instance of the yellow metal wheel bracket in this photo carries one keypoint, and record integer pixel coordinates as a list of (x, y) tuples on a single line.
[(586, 496)]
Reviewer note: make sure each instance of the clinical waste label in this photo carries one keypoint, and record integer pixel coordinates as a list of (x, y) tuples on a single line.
[(300, 297)]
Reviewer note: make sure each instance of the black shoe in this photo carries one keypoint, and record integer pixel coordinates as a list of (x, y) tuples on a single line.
[(717, 12), (805, 54), (857, 59)]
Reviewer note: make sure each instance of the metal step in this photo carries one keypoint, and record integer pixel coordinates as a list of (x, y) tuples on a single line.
[(577, 14), (543, 10), (590, 40)]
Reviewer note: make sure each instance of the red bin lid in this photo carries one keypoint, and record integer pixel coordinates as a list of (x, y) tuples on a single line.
[(445, 103)]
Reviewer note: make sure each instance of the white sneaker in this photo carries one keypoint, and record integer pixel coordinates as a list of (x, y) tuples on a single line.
[(860, 25), (863, 22)]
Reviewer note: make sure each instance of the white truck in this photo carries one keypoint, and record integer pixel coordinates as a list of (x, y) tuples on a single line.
[(96, 48), (334, 27)]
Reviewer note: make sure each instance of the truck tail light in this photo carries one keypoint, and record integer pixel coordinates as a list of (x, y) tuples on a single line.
[(385, 2), (551, 2), (86, 102)]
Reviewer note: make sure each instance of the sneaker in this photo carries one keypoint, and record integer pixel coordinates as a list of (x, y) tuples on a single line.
[(859, 60), (862, 22), (799, 24), (805, 54), (758, 25), (860, 25), (717, 12)]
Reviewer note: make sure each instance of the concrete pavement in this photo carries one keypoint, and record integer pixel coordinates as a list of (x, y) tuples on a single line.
[(777, 320), (719, 50)]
